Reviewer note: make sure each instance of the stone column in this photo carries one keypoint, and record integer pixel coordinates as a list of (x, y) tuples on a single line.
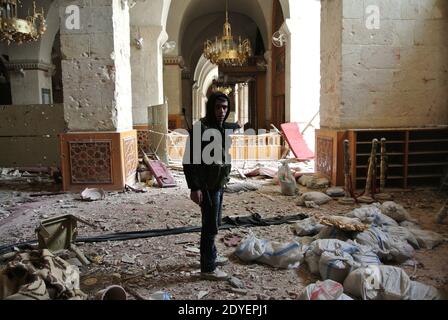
[(246, 103), (100, 148), (268, 58), (147, 70), (147, 76), (30, 82), (236, 106), (172, 83), (187, 101), (196, 103)]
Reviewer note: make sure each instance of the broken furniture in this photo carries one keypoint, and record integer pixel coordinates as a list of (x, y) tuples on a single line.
[(347, 199), (369, 190), (160, 171), (296, 142), (416, 156), (383, 173), (60, 233)]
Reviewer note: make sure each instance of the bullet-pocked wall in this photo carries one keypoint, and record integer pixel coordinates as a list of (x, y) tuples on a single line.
[(388, 64)]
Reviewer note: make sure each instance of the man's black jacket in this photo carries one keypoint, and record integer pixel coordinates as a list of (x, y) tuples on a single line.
[(202, 176)]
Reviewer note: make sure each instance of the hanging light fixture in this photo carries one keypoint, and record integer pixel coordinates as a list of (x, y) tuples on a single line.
[(223, 89), (225, 51), (13, 29)]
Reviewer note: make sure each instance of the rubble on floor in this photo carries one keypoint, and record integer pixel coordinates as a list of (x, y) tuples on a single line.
[(148, 268)]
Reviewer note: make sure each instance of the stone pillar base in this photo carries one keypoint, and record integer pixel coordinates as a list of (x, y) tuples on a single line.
[(106, 160)]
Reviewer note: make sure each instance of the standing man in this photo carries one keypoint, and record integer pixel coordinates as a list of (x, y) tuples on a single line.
[(207, 167)]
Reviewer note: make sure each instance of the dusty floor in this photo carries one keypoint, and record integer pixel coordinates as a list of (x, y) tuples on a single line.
[(170, 263)]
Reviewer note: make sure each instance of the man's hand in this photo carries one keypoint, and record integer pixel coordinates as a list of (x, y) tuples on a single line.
[(196, 196)]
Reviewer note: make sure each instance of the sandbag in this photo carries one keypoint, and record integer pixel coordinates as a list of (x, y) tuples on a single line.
[(251, 248), (365, 256), (316, 248), (324, 290), (308, 226), (275, 254), (403, 233), (395, 211), (376, 239), (332, 245), (378, 283), (313, 182), (409, 225), (335, 266), (328, 232), (312, 261), (388, 247), (400, 251), (427, 239), (371, 214), (287, 180), (317, 197), (421, 291), (282, 255)]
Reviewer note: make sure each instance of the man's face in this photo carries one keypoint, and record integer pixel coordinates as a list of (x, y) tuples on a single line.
[(221, 110)]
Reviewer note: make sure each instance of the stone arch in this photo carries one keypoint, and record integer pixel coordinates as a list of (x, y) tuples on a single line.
[(183, 12), (204, 75), (148, 21)]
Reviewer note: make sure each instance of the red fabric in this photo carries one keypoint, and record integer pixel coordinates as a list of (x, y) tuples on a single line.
[(296, 142)]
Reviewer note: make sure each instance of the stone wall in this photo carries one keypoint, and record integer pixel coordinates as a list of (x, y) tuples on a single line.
[(331, 57), (393, 76), (172, 84), (96, 69), (29, 135), (146, 64)]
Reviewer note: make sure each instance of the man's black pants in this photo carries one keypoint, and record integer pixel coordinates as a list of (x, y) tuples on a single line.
[(211, 208)]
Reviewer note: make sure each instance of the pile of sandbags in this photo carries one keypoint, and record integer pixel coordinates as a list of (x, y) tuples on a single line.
[(388, 247), (335, 259)]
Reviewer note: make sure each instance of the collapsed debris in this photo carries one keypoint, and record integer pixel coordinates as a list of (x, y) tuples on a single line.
[(39, 275)]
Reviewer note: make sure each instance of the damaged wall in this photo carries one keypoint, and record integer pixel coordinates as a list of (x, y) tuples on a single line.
[(96, 69), (331, 57), (394, 69), (172, 84), (29, 135)]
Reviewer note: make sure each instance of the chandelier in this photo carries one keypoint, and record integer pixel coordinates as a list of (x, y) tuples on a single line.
[(225, 90), (225, 51), (13, 29)]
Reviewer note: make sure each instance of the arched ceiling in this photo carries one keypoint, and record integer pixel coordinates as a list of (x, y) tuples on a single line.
[(150, 12), (185, 14)]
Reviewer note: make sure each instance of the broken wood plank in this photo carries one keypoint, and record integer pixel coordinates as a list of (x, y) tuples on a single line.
[(265, 195)]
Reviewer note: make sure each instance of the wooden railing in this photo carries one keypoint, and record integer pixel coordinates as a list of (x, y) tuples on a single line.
[(244, 147)]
